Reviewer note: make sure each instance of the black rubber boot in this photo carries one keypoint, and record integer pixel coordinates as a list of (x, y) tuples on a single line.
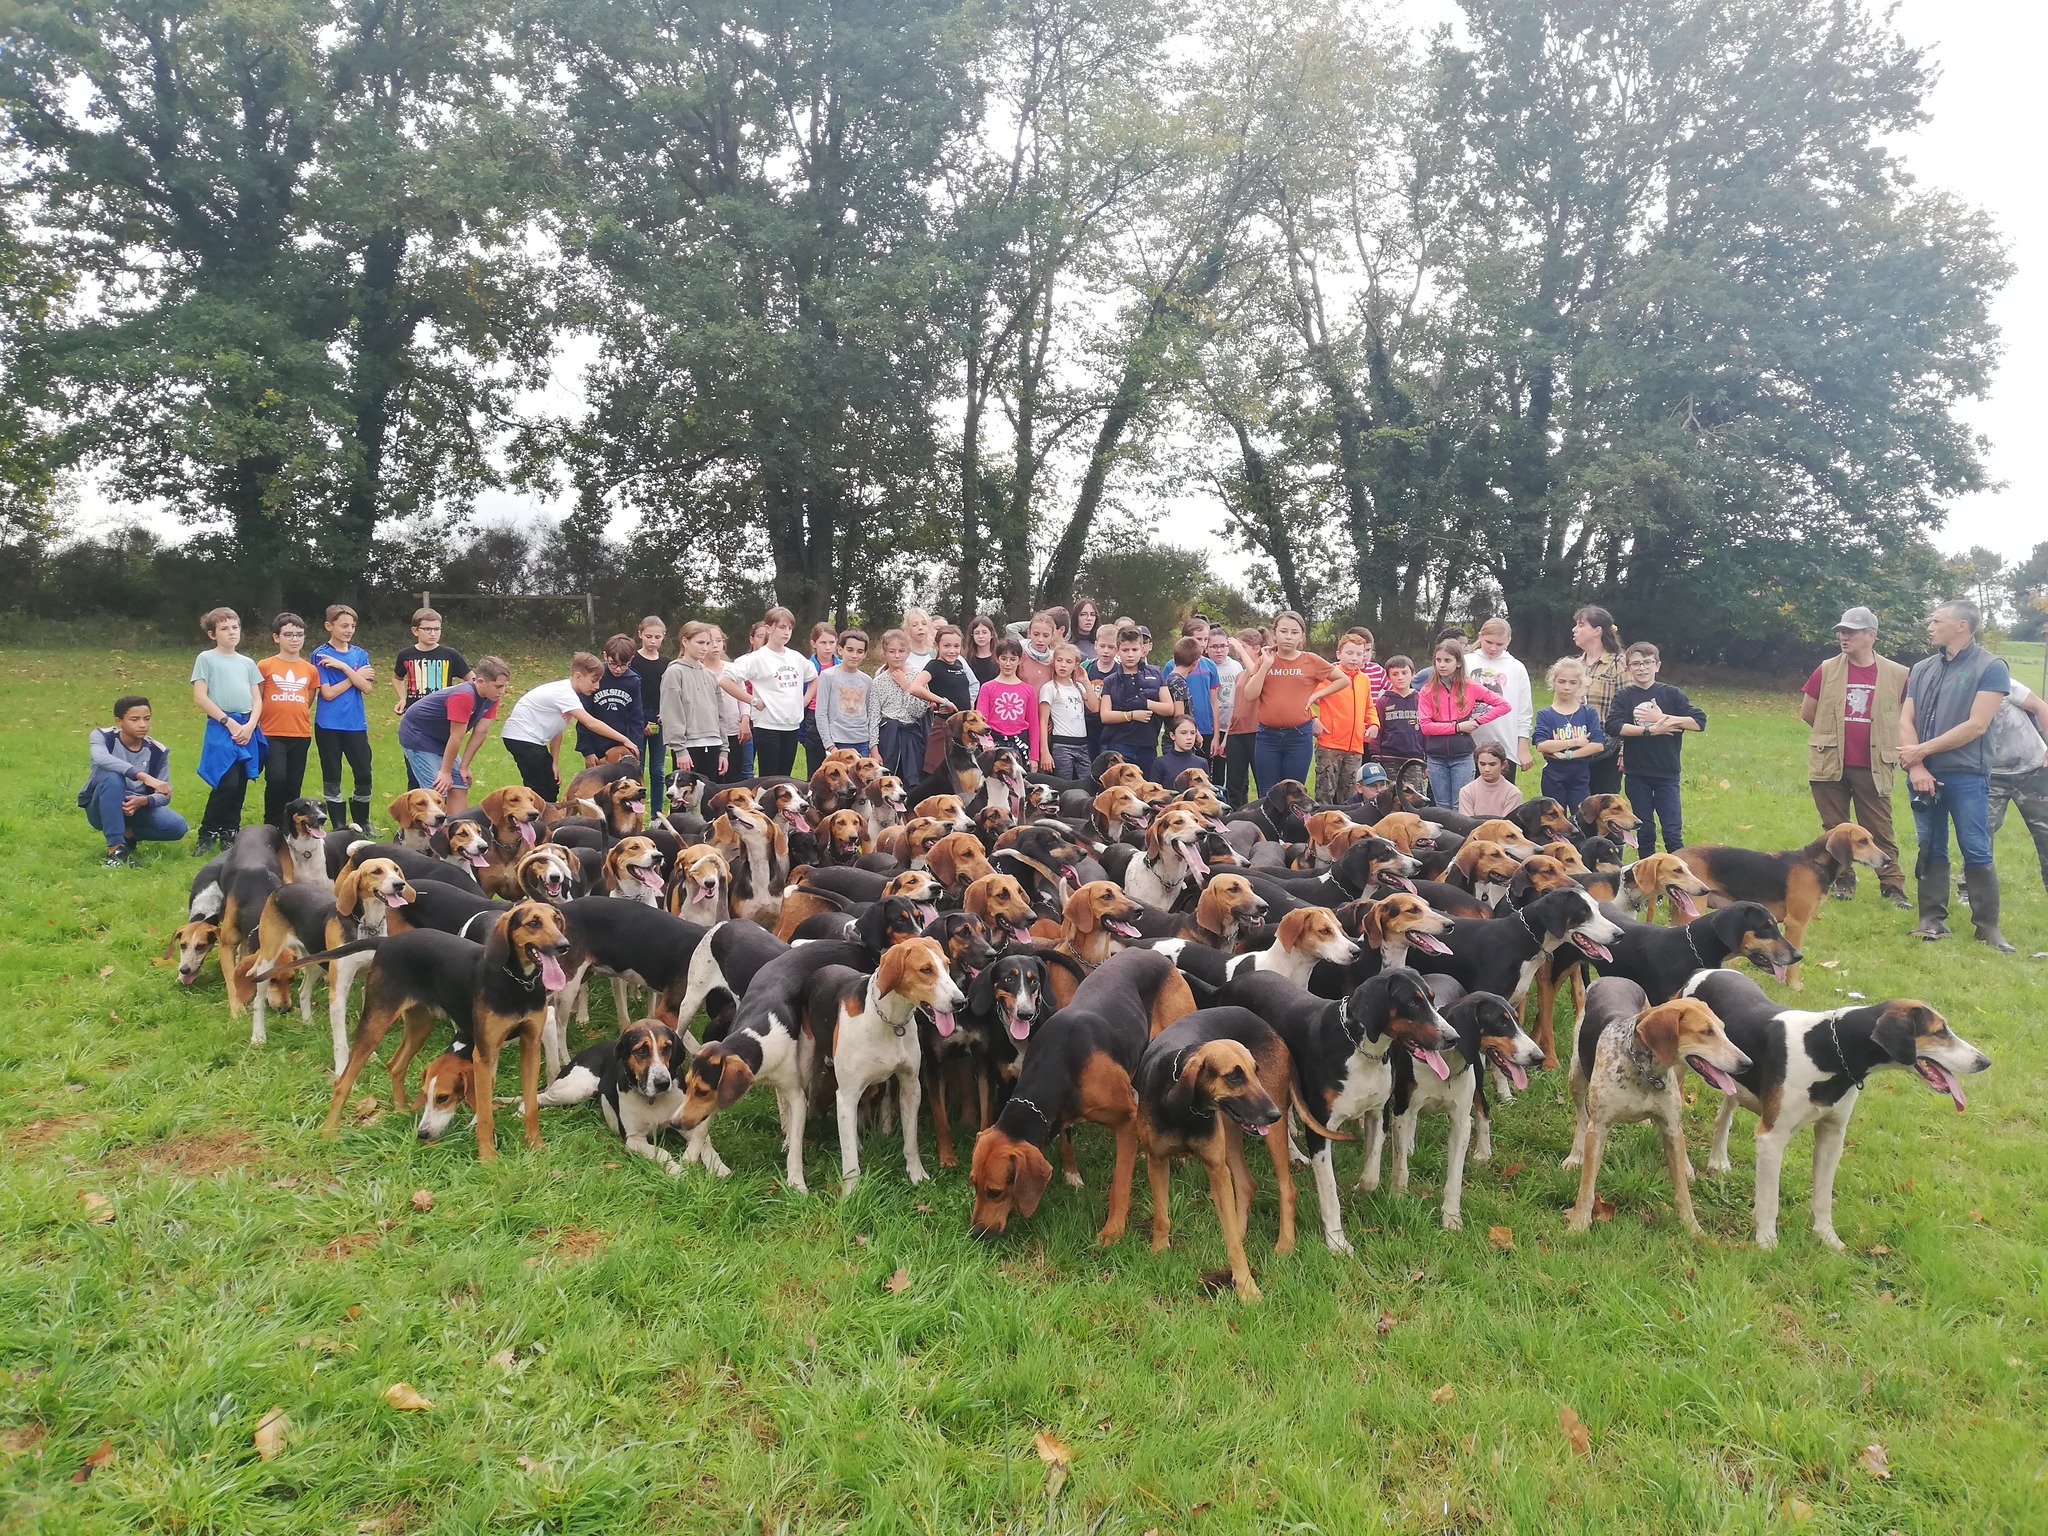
[(1983, 882), (1932, 882)]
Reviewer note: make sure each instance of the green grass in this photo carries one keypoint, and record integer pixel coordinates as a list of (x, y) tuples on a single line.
[(610, 1350)]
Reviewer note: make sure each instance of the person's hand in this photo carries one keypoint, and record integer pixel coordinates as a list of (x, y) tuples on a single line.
[(443, 782), (1921, 780), (653, 727), (1913, 756), (1315, 725), (241, 731), (1045, 765), (130, 804), (746, 730), (1525, 758), (157, 786), (1372, 733), (398, 706), (1467, 727)]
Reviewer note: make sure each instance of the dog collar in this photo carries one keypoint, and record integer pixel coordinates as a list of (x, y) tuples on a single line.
[(1522, 917), (1694, 947), (1018, 1098), (1841, 1056)]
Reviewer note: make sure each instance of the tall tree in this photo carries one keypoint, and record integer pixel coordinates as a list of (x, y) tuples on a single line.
[(757, 218), (295, 220), (1704, 304)]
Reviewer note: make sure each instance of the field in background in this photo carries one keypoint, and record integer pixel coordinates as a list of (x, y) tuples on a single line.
[(607, 1349)]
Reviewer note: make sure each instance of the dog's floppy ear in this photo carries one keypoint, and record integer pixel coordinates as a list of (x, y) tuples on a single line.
[(734, 1079), (1898, 1031), (1658, 1028), (1372, 931), (1031, 1173), (1181, 1096), (348, 890), (981, 996)]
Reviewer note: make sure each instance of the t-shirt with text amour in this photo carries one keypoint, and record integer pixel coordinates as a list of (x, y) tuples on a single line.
[(1283, 697)]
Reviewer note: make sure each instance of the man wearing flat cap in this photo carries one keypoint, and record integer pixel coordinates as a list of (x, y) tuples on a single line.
[(1851, 704)]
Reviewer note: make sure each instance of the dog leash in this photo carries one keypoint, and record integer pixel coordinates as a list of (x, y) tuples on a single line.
[(1693, 945)]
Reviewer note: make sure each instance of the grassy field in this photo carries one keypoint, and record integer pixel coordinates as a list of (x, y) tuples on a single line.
[(610, 1350)]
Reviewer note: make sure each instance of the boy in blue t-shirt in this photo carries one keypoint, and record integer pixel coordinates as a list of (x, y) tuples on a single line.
[(1198, 677), (341, 724), (1568, 735)]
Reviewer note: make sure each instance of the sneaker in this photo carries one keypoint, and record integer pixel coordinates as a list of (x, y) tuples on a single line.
[(206, 845), (227, 838), (117, 858)]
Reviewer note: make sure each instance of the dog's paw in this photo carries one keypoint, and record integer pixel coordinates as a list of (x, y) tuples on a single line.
[(1454, 1221), (1767, 1239), (917, 1174), (1337, 1242), (1074, 1179), (1827, 1236), (1719, 1165), (1571, 1160)]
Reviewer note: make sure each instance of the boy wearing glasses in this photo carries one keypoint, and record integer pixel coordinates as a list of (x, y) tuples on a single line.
[(1650, 718)]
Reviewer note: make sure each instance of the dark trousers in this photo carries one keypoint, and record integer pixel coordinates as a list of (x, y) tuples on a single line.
[(902, 743), (223, 811), (1654, 801), (1238, 751), (703, 760), (1603, 775), (814, 744), (536, 766), (284, 775), (2028, 791), (653, 768), (1856, 792), (354, 746), (775, 752)]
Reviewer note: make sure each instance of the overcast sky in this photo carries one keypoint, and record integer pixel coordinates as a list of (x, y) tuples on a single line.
[(1981, 143)]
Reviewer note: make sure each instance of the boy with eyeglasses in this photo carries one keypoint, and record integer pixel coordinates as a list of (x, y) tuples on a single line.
[(1650, 719)]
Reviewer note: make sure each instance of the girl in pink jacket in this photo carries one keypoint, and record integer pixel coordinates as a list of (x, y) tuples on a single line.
[(1452, 708)]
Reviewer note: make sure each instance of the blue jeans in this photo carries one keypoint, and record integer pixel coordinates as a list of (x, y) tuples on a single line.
[(1653, 801), (426, 767), (1282, 752), (1964, 798), (152, 824), (1448, 775)]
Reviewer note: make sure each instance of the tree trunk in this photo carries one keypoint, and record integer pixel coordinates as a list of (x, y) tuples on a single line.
[(383, 333), (1269, 528), (970, 480)]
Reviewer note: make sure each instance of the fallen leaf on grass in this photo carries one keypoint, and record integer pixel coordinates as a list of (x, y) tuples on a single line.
[(106, 971), (527, 1464), (1575, 1430), (23, 1437), (1385, 1325), (1829, 965), (1502, 1238), (98, 1208), (924, 1208), (1798, 1511), (1510, 1171), (1726, 785), (1603, 1210), (363, 1110), (272, 1431), (99, 1456), (1443, 1394), (1878, 1250), (1057, 1459), (1875, 1462), (504, 1359), (423, 1199), (403, 1396), (897, 1283)]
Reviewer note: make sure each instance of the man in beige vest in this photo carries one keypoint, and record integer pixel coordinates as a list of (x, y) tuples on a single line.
[(1852, 755)]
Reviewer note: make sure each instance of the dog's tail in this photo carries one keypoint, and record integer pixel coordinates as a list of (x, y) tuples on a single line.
[(286, 967), (1301, 1109)]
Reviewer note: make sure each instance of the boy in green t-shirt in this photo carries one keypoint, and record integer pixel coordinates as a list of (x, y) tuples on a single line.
[(226, 687)]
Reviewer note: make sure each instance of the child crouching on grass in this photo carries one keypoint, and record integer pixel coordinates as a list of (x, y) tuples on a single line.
[(127, 795)]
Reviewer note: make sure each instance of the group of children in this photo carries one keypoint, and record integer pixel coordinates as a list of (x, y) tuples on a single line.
[(1251, 708)]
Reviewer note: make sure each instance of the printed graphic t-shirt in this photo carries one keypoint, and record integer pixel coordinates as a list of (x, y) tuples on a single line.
[(288, 689), (1858, 700), (420, 672)]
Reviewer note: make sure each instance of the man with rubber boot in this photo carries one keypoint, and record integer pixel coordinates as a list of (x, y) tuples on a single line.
[(1851, 707), (1951, 698)]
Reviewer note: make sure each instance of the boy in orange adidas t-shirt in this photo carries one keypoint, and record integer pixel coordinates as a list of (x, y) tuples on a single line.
[(284, 713)]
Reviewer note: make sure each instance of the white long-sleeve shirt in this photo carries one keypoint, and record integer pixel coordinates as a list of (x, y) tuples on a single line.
[(1510, 679)]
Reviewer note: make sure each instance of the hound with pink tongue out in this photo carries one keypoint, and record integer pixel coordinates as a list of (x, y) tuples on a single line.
[(1809, 1069), (1488, 1035), (869, 1025), (1632, 1056), (1205, 1083)]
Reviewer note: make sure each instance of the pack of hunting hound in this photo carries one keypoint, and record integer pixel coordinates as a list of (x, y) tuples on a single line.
[(1047, 953)]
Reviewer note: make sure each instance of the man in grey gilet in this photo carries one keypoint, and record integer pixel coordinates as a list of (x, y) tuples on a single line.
[(1951, 698)]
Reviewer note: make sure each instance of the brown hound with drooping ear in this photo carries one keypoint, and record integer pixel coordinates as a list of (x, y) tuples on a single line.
[(1097, 921), (908, 841), (843, 837), (957, 860), (1204, 1084), (1630, 1060), (1606, 816), (1791, 885), (419, 814), (492, 992), (700, 885)]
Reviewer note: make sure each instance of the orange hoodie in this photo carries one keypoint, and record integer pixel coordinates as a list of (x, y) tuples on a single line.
[(1348, 714)]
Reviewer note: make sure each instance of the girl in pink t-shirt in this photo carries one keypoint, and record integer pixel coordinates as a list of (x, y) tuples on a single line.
[(1009, 705)]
